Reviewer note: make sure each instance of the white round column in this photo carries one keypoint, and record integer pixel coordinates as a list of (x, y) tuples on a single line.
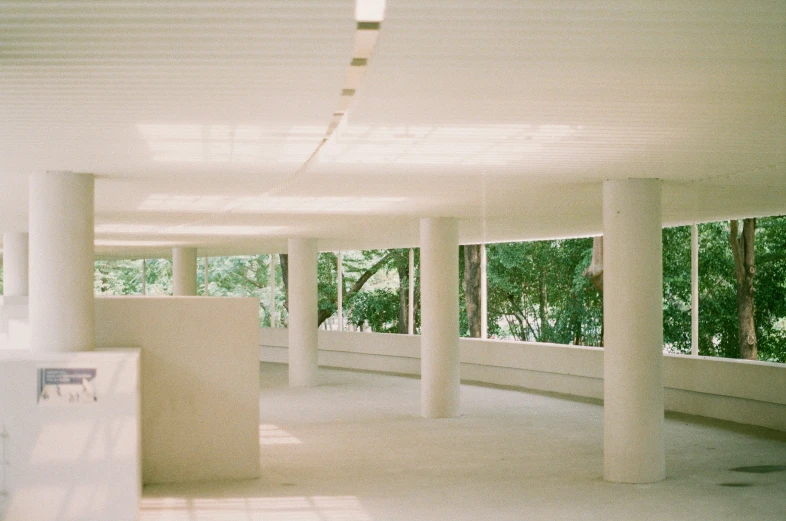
[(15, 264), (439, 341), (62, 312), (302, 297), (184, 272), (633, 447)]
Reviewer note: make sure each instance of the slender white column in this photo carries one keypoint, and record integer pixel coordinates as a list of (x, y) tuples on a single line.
[(15, 264), (62, 312), (411, 302), (694, 293), (272, 290), (144, 276), (484, 294), (439, 347), (633, 325), (184, 271), (302, 312), (339, 289)]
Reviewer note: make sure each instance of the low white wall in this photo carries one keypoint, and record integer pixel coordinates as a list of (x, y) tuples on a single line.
[(735, 390), (200, 382), (71, 461), (14, 329)]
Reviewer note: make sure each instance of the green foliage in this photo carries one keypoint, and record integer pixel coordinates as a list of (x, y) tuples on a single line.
[(770, 284), (537, 292), (378, 308), (376, 303), (718, 292), (244, 276), (240, 276), (118, 277), (677, 289), (327, 283), (159, 277)]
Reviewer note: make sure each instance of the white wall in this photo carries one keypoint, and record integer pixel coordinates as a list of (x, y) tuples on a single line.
[(14, 328), (72, 462), (200, 381), (735, 390)]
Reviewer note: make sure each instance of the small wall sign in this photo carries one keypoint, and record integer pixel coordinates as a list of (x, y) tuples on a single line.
[(66, 386)]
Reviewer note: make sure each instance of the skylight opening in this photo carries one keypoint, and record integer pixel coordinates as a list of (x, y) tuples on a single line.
[(369, 10)]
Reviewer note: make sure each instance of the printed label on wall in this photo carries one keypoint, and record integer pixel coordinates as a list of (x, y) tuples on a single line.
[(66, 386)]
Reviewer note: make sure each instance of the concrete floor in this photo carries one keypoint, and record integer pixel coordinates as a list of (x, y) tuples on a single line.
[(356, 449)]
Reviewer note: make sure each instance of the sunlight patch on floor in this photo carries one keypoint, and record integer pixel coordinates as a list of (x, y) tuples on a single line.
[(295, 508), (272, 435)]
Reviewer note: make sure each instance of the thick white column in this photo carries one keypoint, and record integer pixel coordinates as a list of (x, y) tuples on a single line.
[(439, 341), (15, 264), (62, 312), (184, 272), (302, 312), (633, 447)]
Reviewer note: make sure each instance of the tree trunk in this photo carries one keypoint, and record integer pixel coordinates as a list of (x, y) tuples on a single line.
[(472, 287), (403, 298), (595, 271), (324, 314), (283, 260), (595, 274), (744, 271), (543, 330)]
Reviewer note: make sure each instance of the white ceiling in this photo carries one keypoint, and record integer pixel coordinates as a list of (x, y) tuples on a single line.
[(199, 117)]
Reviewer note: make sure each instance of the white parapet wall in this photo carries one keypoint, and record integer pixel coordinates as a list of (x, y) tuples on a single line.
[(14, 328), (741, 391), (200, 382), (71, 451)]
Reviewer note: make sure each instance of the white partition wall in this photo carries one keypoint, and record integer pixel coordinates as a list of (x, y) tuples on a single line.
[(302, 284), (200, 382), (64, 460), (633, 331), (61, 262), (439, 318), (15, 264), (184, 272)]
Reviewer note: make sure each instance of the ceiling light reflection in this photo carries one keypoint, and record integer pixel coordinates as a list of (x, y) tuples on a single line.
[(266, 204), (448, 145), (143, 229), (134, 244), (230, 144)]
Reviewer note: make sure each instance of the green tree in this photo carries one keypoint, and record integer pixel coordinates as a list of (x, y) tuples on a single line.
[(677, 289), (537, 292), (770, 294), (372, 275), (743, 250), (118, 277), (158, 277), (244, 276)]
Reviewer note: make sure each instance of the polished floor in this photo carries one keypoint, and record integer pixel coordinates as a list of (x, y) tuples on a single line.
[(356, 449)]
